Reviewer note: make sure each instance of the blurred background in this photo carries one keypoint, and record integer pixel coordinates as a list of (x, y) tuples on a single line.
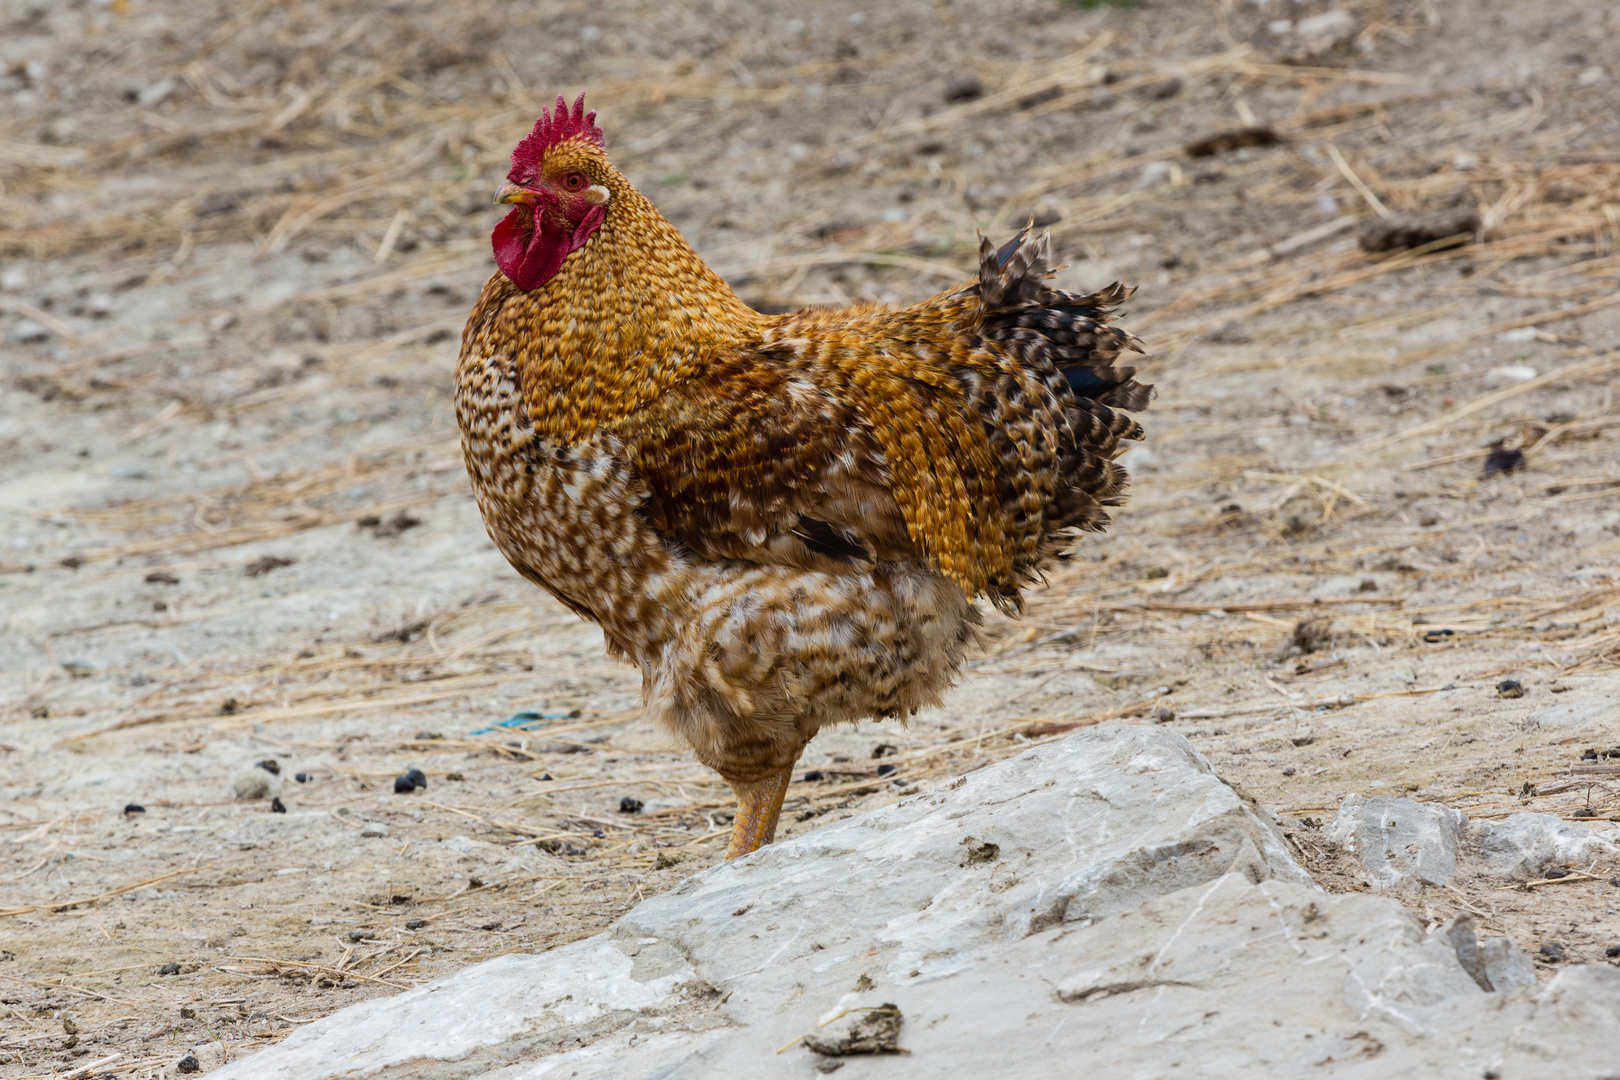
[(1375, 250)]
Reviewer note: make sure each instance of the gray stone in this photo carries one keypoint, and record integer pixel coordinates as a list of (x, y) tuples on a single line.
[(375, 830), (254, 783), (1104, 906), (1506, 965), (157, 93), (27, 331), (1495, 964), (1526, 845), (1404, 844)]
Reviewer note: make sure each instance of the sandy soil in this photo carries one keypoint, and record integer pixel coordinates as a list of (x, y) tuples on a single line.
[(238, 243)]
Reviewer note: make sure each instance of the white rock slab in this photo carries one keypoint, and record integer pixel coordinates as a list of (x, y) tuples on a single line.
[(1404, 844), (1527, 845), (1101, 907)]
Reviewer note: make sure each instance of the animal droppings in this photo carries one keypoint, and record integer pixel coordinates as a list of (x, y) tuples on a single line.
[(1510, 688), (403, 785), (131, 809), (171, 968), (813, 775), (277, 806), (417, 777), (1501, 459), (302, 778), (983, 853), (875, 1032), (1397, 231), (628, 805), (415, 924), (266, 563), (1225, 141), (885, 770), (188, 1064), (269, 765)]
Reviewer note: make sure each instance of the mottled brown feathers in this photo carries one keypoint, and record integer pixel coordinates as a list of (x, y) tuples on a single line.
[(783, 520)]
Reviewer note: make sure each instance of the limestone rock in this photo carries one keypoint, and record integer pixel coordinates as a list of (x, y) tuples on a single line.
[(1404, 844), (1496, 964), (1526, 845), (254, 783), (1104, 906)]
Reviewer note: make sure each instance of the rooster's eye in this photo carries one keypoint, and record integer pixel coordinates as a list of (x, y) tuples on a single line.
[(574, 181)]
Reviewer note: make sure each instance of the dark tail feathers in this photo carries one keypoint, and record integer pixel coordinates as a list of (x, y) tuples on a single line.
[(1043, 325)]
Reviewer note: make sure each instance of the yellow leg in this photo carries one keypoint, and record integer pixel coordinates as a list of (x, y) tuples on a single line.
[(759, 804)]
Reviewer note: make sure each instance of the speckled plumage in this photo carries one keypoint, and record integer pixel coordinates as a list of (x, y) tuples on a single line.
[(784, 521)]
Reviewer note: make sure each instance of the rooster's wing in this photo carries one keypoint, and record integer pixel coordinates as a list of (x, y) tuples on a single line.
[(756, 462)]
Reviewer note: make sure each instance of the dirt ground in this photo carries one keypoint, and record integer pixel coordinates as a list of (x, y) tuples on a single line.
[(237, 243)]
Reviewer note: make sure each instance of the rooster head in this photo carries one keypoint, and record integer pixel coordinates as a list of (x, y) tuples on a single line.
[(559, 195)]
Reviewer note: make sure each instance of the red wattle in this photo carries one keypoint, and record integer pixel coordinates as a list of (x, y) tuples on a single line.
[(528, 256)]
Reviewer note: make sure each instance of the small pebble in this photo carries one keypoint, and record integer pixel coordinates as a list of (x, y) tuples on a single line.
[(375, 829), (171, 968), (252, 784), (188, 1064), (627, 805), (1510, 688), (457, 777), (403, 785), (1553, 951), (417, 777), (428, 736), (1289, 771), (302, 778), (131, 809), (960, 88), (27, 332), (1612, 951), (415, 924), (269, 765), (277, 806), (1556, 872), (359, 935)]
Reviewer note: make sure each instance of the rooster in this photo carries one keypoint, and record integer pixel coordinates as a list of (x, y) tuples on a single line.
[(784, 521)]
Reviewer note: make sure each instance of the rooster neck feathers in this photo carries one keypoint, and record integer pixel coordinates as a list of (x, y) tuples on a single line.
[(624, 315)]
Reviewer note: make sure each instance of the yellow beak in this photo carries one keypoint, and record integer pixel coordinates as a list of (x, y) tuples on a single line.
[(509, 192)]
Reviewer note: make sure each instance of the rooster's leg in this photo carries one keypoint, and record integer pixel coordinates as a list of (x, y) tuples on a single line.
[(759, 803)]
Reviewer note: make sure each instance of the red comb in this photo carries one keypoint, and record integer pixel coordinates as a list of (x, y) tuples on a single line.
[(555, 127)]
